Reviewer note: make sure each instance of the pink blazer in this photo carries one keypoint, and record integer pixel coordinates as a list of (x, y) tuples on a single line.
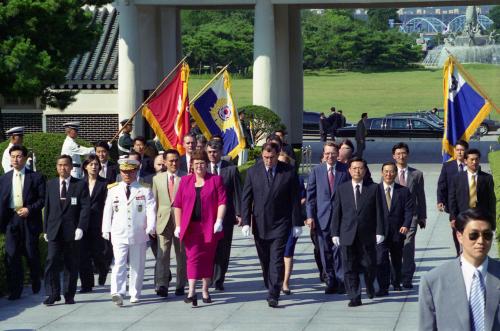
[(212, 194)]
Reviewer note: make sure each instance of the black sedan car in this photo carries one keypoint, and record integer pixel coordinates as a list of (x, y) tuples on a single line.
[(397, 127), (488, 124)]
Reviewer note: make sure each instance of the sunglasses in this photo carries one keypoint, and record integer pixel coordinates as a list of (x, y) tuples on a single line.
[(487, 235)]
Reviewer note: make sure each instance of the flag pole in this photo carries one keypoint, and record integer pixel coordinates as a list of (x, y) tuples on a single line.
[(474, 83), (208, 84), (150, 96)]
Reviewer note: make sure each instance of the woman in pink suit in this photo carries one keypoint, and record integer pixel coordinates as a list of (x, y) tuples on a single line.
[(199, 208)]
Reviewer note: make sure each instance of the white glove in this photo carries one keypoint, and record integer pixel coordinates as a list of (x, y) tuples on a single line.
[(380, 238), (106, 235), (177, 231), (336, 241), (45, 237), (245, 230), (218, 225), (297, 231), (78, 234)]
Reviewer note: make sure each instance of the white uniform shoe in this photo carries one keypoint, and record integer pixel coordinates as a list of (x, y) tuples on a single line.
[(117, 299), (134, 300)]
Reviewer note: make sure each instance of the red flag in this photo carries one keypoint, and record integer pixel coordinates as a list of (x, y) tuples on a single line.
[(168, 112)]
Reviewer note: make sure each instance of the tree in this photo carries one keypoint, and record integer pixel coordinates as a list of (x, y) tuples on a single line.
[(263, 121), (38, 39), (378, 18), (494, 15)]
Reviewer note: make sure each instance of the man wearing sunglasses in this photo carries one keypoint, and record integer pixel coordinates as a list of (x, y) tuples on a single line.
[(464, 294)]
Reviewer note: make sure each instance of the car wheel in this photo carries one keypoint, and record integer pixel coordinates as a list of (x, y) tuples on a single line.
[(483, 129)]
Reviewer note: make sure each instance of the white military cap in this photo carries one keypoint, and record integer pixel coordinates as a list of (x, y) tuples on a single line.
[(128, 164), (15, 131), (72, 125)]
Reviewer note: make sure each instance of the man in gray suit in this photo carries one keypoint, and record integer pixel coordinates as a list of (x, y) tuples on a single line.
[(413, 179), (165, 186), (464, 294)]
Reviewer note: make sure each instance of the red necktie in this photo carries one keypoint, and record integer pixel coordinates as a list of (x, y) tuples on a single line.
[(402, 180), (331, 179), (171, 188)]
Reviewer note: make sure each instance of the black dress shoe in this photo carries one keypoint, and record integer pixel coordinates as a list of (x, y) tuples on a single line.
[(408, 285), (85, 290), (162, 291), (35, 286), (193, 300), (397, 288), (69, 301), (382, 293), (354, 303), (102, 279), (207, 300), (330, 290), (179, 292), (341, 290), (273, 303), (51, 299), (219, 288), (370, 291), (286, 292)]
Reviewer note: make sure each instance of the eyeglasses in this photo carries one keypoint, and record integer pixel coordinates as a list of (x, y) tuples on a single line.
[(487, 235)]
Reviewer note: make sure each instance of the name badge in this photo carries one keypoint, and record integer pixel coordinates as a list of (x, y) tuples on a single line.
[(139, 208), (73, 202)]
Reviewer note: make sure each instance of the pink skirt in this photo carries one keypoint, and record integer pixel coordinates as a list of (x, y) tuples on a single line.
[(200, 255)]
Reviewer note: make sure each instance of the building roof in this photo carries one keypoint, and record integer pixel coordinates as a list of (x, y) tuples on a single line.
[(98, 69)]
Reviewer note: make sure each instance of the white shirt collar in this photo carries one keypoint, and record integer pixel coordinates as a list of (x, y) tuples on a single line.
[(67, 180), (468, 271), (22, 171), (386, 186), (354, 186), (328, 167), (218, 165), (470, 173), (171, 174)]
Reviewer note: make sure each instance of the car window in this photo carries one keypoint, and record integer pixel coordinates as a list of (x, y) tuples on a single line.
[(416, 124), (376, 124), (399, 123)]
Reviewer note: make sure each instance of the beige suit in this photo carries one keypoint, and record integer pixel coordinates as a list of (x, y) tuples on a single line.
[(165, 227)]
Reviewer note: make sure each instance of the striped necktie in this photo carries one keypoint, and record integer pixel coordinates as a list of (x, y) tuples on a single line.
[(473, 192), (477, 302)]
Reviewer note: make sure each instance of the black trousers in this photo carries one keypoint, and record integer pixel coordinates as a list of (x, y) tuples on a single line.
[(389, 271), (360, 147), (222, 255), (331, 258), (62, 255), (455, 241), (19, 242), (271, 255), (92, 254), (317, 253), (357, 258)]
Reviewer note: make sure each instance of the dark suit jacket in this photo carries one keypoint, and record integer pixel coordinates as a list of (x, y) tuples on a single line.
[(415, 183), (33, 199), (275, 207), (112, 172), (97, 200), (183, 164), (459, 195), (147, 167), (365, 222), (319, 197), (71, 215), (401, 213), (232, 184), (361, 131), (448, 173)]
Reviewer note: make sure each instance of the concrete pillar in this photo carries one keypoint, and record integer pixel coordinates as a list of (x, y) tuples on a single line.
[(264, 58), (171, 49), (129, 92), (149, 39), (282, 72), (296, 96)]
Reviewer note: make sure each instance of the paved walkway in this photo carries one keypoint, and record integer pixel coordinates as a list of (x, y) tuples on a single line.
[(242, 306)]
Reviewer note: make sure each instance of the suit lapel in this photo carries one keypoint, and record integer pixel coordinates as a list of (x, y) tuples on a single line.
[(395, 197), (362, 199), (69, 193), (26, 186), (458, 296), (492, 294), (409, 180)]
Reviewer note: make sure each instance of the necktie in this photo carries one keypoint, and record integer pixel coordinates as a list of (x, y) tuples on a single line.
[(18, 192), (388, 197), (269, 174), (216, 172), (461, 166), (127, 192), (476, 302), (102, 173), (63, 190), (473, 192), (331, 179), (402, 180), (358, 195), (171, 188)]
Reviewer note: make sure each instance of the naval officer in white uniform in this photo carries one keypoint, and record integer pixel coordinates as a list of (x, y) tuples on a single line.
[(71, 148), (129, 218), (16, 138)]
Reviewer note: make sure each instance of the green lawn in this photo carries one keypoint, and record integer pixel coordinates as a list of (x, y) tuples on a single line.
[(376, 93)]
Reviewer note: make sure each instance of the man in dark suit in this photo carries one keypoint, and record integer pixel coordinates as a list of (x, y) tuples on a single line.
[(321, 187), (448, 173), (189, 144), (357, 226), (334, 121), (232, 184), (109, 169), (361, 133), (139, 147), (398, 214), (66, 215), (287, 148), (271, 196), (413, 179), (473, 189), (22, 194)]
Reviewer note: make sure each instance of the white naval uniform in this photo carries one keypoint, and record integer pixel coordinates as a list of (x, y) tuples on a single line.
[(71, 148), (129, 222), (6, 159)]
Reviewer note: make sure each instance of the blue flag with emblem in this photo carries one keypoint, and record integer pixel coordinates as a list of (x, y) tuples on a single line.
[(465, 106), (215, 113)]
